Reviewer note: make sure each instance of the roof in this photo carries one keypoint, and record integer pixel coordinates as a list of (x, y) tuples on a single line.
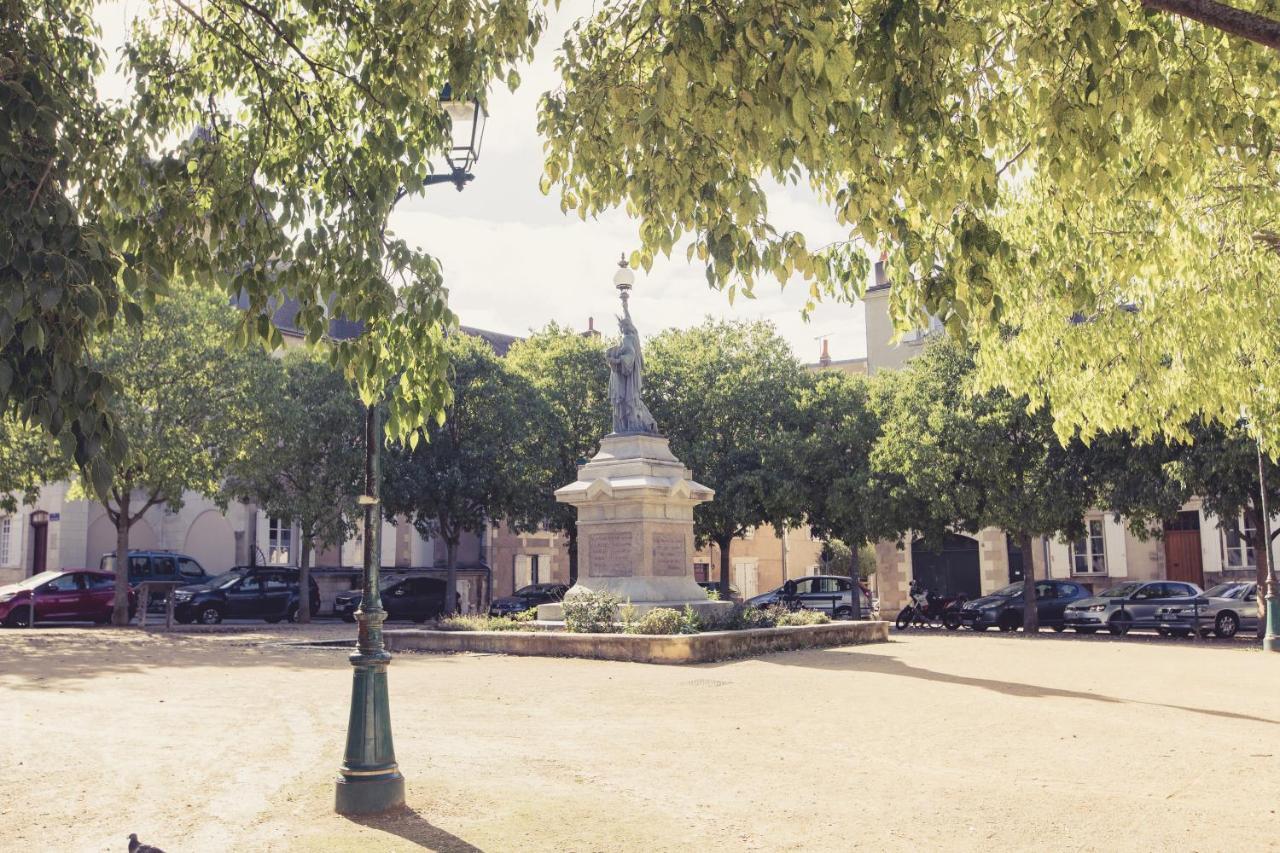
[(284, 315)]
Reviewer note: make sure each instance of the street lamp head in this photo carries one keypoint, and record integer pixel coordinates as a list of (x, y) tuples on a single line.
[(624, 279), (467, 118)]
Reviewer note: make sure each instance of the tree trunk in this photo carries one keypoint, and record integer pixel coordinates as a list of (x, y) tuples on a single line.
[(725, 542), (573, 554), (120, 604), (304, 583), (451, 584), (1030, 617), (855, 575)]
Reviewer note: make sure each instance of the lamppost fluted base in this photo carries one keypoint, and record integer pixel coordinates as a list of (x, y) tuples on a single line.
[(355, 797), (369, 780)]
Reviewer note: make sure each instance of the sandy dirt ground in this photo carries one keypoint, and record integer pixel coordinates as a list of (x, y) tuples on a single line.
[(230, 741)]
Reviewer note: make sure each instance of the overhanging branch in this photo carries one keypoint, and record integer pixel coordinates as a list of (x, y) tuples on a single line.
[(1237, 22)]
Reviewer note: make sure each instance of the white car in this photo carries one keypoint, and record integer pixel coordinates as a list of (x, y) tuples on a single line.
[(1224, 609)]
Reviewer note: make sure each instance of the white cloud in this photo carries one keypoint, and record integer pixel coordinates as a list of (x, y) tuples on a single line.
[(513, 261)]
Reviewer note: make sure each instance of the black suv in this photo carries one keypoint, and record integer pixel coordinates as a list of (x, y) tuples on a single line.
[(418, 599), (526, 597), (1003, 608), (245, 592)]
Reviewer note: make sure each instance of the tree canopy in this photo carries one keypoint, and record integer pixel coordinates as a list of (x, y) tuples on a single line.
[(484, 462), (1089, 188), (310, 467), (260, 150), (567, 369), (726, 395), (189, 405)]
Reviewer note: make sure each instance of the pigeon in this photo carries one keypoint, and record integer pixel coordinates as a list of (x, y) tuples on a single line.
[(136, 846)]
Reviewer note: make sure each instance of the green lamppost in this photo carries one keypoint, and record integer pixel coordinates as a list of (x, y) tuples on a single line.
[(1271, 639), (369, 780)]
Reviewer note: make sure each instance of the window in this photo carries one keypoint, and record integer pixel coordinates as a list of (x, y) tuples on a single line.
[(6, 535), (279, 542), (1046, 591), (164, 567), (701, 572), (1237, 553), (139, 567), (804, 587), (189, 568), (101, 582), (829, 585), (275, 581), (66, 583), (1088, 553)]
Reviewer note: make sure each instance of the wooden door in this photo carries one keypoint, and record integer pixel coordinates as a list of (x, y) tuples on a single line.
[(1182, 559)]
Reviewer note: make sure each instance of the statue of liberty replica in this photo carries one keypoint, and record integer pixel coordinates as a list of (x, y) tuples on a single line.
[(635, 499), (626, 371)]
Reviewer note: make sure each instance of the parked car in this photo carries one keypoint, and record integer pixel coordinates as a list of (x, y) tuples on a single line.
[(1134, 604), (1003, 608), (526, 597), (245, 592), (66, 595), (831, 594), (418, 599), (155, 565), (1223, 609)]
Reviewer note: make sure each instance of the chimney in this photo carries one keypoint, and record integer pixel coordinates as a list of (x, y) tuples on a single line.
[(591, 324), (825, 359), (881, 277)]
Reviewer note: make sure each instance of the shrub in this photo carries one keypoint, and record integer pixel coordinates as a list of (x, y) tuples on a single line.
[(748, 617), (659, 620), (713, 594), (479, 622), (525, 615), (587, 612), (690, 621), (800, 617)]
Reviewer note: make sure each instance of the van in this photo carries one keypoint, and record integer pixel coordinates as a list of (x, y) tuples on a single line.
[(157, 565)]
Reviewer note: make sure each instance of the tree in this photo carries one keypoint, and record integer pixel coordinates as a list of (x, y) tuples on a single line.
[(189, 405), (983, 460), (299, 127), (831, 466), (310, 469), (568, 370), (28, 459), (726, 395), (1027, 164), (484, 462)]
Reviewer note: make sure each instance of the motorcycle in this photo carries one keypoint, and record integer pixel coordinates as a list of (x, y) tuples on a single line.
[(927, 609)]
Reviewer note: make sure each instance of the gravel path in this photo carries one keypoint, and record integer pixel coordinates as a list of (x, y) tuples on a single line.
[(228, 740)]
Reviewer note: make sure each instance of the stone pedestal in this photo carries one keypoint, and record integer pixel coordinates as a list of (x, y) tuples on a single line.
[(635, 505)]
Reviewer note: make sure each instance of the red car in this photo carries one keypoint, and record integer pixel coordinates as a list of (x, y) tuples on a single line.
[(67, 595)]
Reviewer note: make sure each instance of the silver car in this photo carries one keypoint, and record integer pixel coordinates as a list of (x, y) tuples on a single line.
[(832, 594), (1134, 604), (1227, 607)]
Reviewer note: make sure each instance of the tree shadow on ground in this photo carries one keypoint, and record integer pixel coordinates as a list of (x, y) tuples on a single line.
[(39, 660), (880, 664), (414, 828)]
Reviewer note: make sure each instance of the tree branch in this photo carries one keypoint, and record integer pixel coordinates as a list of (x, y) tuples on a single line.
[(1220, 16)]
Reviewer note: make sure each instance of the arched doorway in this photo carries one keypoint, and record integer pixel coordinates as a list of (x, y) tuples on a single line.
[(211, 542), (949, 567), (101, 539)]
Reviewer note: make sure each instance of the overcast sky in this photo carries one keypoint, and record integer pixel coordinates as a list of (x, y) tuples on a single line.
[(512, 261)]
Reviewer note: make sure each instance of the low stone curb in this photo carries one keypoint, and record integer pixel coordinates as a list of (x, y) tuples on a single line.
[(641, 648)]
